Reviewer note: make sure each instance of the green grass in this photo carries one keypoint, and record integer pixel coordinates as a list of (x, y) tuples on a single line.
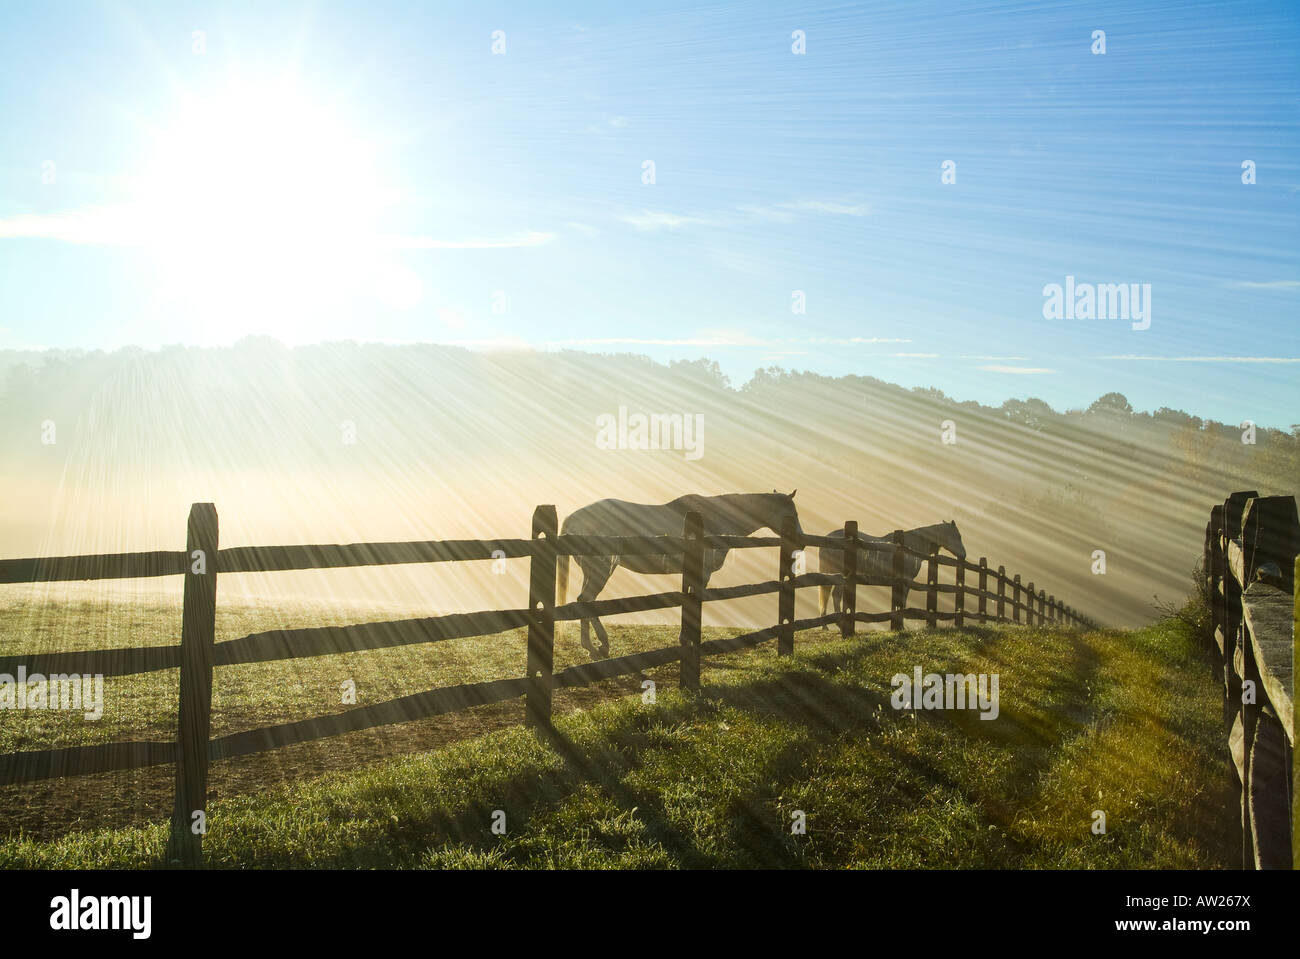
[(1123, 722)]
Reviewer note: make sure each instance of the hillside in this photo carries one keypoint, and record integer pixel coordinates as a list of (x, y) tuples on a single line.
[(1123, 722), (345, 442)]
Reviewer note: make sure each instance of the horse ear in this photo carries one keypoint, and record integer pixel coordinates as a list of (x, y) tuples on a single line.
[(792, 494)]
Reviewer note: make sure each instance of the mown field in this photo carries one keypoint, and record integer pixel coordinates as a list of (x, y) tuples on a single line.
[(1119, 721)]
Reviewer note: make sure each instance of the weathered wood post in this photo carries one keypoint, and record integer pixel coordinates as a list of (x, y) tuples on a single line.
[(898, 589), (1052, 616), (984, 586), (1029, 604), (1270, 541), (1015, 599), (1234, 714), (848, 625), (1214, 573), (959, 601), (785, 598), (1295, 718), (1002, 593), (541, 616), (194, 723), (1042, 607), (932, 586), (692, 601)]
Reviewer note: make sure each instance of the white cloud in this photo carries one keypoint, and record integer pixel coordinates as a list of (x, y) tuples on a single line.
[(785, 212), (832, 207), (704, 339), (124, 225), (102, 225), (529, 238), (658, 220), (1205, 359), (1266, 285), (853, 340), (1017, 369), (618, 121)]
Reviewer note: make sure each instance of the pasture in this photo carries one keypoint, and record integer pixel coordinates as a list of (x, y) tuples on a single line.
[(1121, 721)]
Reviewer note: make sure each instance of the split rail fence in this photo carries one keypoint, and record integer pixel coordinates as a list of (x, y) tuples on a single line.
[(992, 597), (1251, 565)]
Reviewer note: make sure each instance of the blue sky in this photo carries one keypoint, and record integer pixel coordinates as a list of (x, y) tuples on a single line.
[(375, 171)]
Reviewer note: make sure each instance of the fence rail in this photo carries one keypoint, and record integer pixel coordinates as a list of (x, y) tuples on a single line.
[(1251, 564), (198, 652)]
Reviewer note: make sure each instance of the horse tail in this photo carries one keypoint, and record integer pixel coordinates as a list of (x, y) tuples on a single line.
[(561, 586)]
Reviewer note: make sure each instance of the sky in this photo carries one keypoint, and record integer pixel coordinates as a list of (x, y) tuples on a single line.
[(195, 173)]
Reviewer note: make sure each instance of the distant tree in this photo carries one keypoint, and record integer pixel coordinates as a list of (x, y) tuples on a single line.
[(1176, 417), (1032, 412), (1112, 404)]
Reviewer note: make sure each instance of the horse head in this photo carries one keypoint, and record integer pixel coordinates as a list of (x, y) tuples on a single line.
[(781, 507), (950, 538)]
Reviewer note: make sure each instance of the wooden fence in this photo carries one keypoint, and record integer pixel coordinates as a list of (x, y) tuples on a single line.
[(998, 598), (1251, 566)]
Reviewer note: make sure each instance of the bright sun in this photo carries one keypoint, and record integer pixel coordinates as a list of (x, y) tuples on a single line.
[(262, 203)]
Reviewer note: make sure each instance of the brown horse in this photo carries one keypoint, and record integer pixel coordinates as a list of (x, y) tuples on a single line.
[(732, 514), (876, 555)]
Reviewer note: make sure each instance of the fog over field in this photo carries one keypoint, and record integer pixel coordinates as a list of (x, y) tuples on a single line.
[(104, 452)]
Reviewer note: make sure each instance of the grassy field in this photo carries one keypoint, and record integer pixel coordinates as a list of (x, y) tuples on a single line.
[(1123, 722)]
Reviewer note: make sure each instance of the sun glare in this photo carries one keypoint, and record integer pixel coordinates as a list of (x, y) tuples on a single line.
[(264, 203)]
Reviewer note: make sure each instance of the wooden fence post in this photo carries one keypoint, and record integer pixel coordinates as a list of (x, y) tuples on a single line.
[(1042, 603), (1214, 573), (1029, 604), (785, 598), (932, 587), (1015, 599), (541, 617), (984, 585), (194, 724), (848, 625), (899, 590), (1002, 593), (692, 601), (959, 602), (1051, 609)]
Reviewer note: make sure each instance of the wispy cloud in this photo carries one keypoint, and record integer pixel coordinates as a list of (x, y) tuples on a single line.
[(1266, 285), (118, 225), (831, 207), (618, 122), (126, 225), (529, 238), (1205, 359), (849, 340), (1016, 369), (660, 220), (788, 211), (703, 339)]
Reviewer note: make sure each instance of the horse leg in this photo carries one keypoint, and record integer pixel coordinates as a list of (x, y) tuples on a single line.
[(596, 571), (681, 635)]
